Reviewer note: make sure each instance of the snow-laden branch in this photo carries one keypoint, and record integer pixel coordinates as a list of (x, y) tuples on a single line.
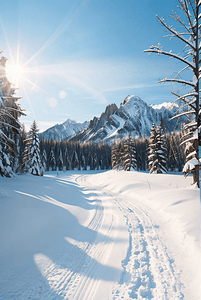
[(175, 33), (21, 111), (191, 154), (156, 49), (191, 83), (183, 114), (189, 125), (9, 125), (183, 98), (190, 104), (188, 140)]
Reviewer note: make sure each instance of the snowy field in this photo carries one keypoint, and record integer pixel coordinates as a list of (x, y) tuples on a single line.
[(99, 235)]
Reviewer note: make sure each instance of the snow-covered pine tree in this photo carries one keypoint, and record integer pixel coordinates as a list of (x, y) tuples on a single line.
[(82, 161), (32, 161), (101, 163), (52, 160), (189, 137), (5, 168), (93, 161), (96, 161), (190, 57), (68, 162), (23, 136), (44, 161), (152, 155), (117, 155), (129, 154), (75, 161), (60, 162), (120, 158), (10, 112), (114, 156), (161, 151)]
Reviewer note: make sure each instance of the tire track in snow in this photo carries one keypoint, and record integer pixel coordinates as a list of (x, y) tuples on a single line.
[(148, 273)]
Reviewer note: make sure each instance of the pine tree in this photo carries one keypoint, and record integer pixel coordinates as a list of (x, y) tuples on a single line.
[(32, 159), (60, 162), (23, 137), (114, 156), (5, 168), (152, 156), (129, 155), (82, 161), (10, 113), (75, 161), (44, 161), (52, 160), (161, 151), (101, 163), (189, 137)]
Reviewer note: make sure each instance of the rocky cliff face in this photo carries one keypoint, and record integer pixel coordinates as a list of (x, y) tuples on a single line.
[(134, 116)]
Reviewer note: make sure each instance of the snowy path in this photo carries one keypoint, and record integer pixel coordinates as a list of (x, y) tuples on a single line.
[(148, 271), (72, 236)]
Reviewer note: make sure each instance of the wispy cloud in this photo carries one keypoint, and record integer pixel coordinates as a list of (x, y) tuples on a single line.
[(43, 125), (93, 78), (134, 86)]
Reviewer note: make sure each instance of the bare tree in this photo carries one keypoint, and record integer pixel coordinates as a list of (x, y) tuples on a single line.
[(190, 35)]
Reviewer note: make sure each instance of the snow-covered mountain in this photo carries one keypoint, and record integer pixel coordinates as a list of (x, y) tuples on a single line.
[(64, 130), (134, 116)]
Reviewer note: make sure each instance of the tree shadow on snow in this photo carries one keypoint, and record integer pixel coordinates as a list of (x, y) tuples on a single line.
[(51, 245)]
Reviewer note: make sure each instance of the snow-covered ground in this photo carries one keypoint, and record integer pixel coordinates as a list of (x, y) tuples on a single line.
[(99, 235)]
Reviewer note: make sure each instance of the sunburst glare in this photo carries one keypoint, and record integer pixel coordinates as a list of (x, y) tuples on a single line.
[(15, 73)]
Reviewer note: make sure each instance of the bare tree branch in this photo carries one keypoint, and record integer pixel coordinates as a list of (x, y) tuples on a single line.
[(176, 33), (177, 18), (156, 49)]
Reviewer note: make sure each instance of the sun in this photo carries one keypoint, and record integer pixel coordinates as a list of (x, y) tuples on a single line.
[(15, 73)]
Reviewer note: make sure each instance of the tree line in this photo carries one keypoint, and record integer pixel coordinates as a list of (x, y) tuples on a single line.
[(157, 154), (38, 156)]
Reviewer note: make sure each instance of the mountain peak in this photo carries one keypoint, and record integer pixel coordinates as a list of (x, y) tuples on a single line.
[(133, 116), (64, 130)]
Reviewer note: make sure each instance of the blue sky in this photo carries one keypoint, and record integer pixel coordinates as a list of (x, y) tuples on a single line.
[(80, 56)]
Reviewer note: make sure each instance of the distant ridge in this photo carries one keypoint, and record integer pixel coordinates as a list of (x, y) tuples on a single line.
[(62, 131), (133, 115)]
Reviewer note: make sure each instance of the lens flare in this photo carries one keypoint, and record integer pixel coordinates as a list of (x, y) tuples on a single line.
[(15, 73)]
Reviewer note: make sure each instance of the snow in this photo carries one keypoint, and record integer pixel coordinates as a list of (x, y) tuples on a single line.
[(112, 131), (99, 235), (190, 165), (167, 105)]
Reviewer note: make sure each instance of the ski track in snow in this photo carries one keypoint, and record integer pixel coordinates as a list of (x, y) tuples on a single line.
[(149, 273), (147, 270), (66, 283)]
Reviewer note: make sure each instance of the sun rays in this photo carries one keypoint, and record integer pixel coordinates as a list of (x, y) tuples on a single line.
[(15, 73)]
